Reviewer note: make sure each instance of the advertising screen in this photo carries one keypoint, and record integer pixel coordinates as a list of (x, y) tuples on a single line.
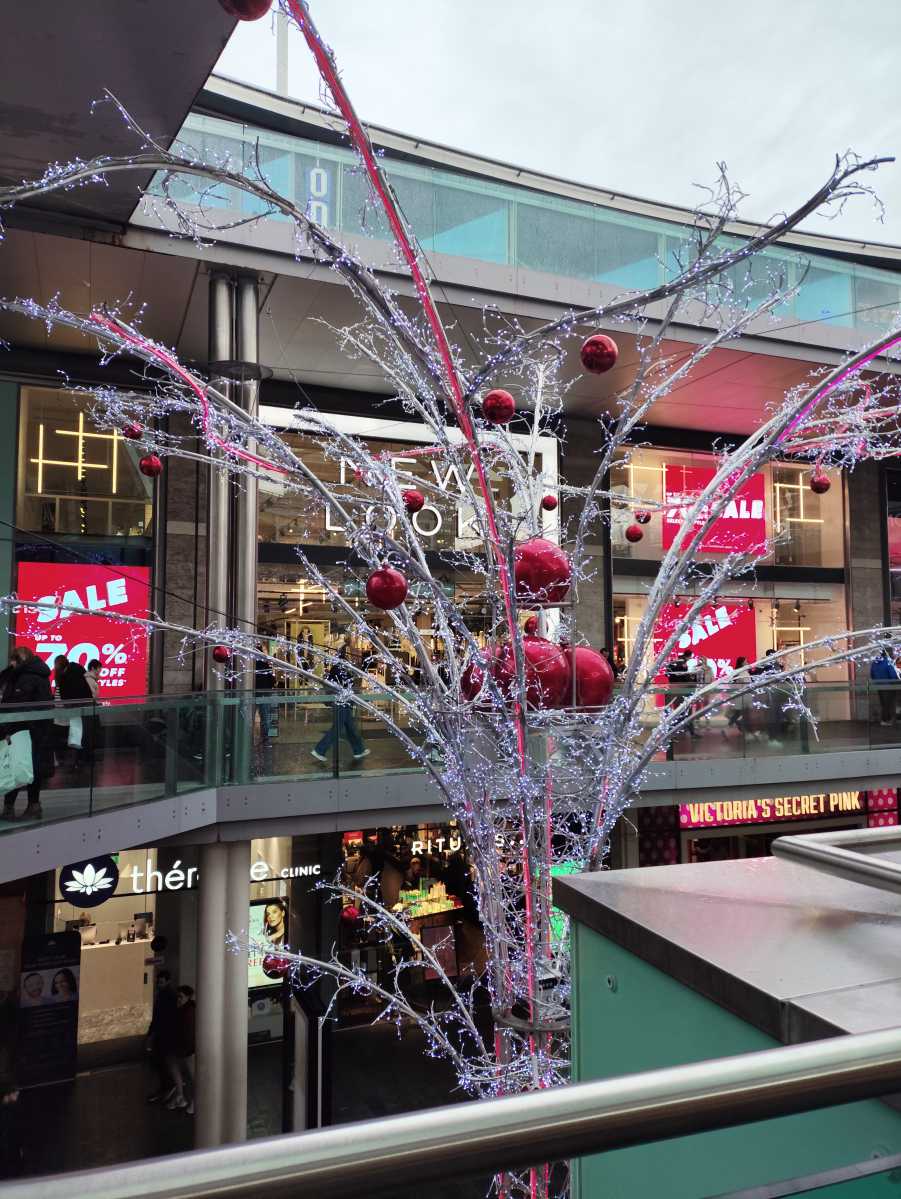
[(720, 633), (741, 527), (85, 635), (267, 926)]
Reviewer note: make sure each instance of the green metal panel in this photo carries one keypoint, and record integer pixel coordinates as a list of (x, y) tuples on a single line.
[(628, 1017), (9, 424)]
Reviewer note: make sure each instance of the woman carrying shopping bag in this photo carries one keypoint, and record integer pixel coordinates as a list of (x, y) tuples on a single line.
[(27, 681), (72, 687)]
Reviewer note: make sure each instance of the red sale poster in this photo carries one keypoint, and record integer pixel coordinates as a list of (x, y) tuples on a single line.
[(84, 635), (742, 525), (720, 633)]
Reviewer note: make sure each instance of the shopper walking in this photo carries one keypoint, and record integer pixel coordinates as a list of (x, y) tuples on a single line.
[(72, 687), (340, 675), (162, 1037), (27, 681), (181, 1061), (884, 674)]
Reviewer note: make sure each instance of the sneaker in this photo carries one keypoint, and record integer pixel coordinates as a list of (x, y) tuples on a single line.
[(190, 1108), (9, 811), (158, 1095), (176, 1103), (364, 753), (32, 812), (318, 756)]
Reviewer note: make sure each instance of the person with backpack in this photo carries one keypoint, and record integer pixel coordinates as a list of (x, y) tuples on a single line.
[(27, 681), (341, 676)]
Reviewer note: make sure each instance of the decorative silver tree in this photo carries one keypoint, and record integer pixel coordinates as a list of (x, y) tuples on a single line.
[(533, 751)]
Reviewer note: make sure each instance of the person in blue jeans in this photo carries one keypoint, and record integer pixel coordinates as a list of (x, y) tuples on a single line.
[(884, 673), (344, 724)]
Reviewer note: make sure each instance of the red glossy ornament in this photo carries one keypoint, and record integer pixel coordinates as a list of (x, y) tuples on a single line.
[(594, 677), (221, 653), (530, 628), (547, 673), (599, 353), (413, 500), (246, 10), (386, 588), (642, 517), (275, 966), (132, 431), (634, 533), (819, 483), (151, 466), (498, 406), (549, 503), (542, 572)]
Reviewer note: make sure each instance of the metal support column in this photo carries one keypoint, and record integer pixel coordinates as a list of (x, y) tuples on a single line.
[(210, 1084), (234, 995)]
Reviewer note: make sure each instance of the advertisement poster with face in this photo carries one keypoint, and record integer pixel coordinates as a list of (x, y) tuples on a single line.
[(268, 929), (47, 1033), (718, 636), (92, 634), (741, 528)]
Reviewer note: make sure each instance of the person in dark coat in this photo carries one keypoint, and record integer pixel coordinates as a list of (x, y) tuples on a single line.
[(181, 1063), (11, 1138), (27, 681), (72, 687), (162, 1036), (264, 681)]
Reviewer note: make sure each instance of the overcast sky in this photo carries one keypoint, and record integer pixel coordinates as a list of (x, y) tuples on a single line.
[(643, 98)]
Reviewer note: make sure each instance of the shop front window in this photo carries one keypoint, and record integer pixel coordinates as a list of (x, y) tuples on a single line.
[(775, 511), (73, 478), (893, 523)]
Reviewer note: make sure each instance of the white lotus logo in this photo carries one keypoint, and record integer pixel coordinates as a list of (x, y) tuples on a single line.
[(89, 880)]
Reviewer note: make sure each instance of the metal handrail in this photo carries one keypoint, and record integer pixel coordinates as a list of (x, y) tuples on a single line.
[(834, 853), (377, 1156)]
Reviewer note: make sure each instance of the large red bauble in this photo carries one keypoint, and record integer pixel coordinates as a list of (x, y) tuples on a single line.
[(246, 10), (151, 466), (275, 966), (549, 503), (132, 431), (413, 500), (819, 483), (599, 353), (542, 571), (530, 628), (643, 517), (634, 533), (386, 588), (498, 406), (221, 653), (548, 674), (594, 677)]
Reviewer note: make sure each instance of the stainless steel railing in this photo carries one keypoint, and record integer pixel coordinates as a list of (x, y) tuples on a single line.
[(382, 1156), (837, 853)]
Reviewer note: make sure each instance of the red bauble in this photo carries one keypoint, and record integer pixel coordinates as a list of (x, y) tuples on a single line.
[(413, 500), (151, 466), (819, 483), (132, 431), (274, 966), (599, 353), (542, 571), (246, 10), (350, 913), (498, 406), (594, 677), (530, 628), (547, 673), (634, 533), (549, 503), (386, 588), (642, 517), (221, 653)]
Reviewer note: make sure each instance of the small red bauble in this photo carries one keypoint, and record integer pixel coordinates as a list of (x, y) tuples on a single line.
[(246, 10), (498, 406), (386, 588), (413, 500), (642, 517), (221, 653), (132, 431), (549, 503), (542, 572), (819, 483), (151, 466), (275, 966), (530, 628), (594, 677), (599, 353), (634, 533), (350, 913)]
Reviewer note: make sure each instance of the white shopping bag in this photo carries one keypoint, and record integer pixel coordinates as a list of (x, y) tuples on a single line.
[(76, 729), (16, 768)]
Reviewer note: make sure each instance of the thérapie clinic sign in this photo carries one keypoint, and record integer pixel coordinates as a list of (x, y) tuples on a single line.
[(88, 884)]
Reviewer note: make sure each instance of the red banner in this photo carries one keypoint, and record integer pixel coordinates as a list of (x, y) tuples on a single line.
[(740, 528), (720, 634), (120, 647)]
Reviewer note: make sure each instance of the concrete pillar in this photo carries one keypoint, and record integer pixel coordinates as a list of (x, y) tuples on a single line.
[(210, 1083), (221, 349), (592, 615), (867, 604), (234, 1048), (245, 530)]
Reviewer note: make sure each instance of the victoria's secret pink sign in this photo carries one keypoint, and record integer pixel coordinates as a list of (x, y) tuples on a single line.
[(763, 811), (740, 529)]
